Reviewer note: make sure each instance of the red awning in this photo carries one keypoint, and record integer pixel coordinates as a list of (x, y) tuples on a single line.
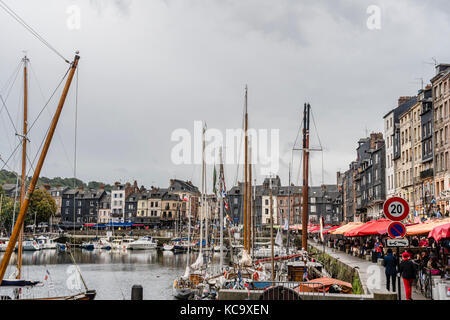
[(89, 225), (440, 232), (331, 229), (373, 227)]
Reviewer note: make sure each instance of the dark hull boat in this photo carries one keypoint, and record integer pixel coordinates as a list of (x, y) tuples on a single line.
[(184, 293)]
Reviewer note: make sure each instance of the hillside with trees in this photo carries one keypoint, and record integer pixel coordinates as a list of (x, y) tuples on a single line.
[(11, 178)]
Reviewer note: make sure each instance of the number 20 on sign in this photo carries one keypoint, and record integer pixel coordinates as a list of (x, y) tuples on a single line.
[(396, 209)]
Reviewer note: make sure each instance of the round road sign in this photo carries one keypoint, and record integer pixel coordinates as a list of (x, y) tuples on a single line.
[(396, 209), (396, 230)]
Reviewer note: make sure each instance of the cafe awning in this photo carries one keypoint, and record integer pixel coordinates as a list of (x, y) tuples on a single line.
[(425, 228), (373, 227), (345, 228), (440, 232)]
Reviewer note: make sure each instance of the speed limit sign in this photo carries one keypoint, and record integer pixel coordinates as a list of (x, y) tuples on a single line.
[(396, 209)]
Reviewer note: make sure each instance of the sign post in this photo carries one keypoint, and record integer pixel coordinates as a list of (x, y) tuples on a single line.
[(396, 209)]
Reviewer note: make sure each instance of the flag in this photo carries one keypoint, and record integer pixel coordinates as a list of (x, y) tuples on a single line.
[(46, 275), (185, 199), (279, 238), (215, 181), (321, 228), (286, 224)]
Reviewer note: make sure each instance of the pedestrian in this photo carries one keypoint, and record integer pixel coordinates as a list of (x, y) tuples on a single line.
[(379, 248), (423, 242), (390, 264), (305, 275), (407, 271)]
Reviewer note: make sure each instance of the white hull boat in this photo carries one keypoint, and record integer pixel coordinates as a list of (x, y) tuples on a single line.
[(144, 243), (168, 247), (46, 243), (30, 245)]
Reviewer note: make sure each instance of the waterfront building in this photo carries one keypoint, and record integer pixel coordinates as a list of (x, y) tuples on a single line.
[(104, 210), (170, 209), (441, 111), (189, 194), (427, 173), (131, 206), (363, 185), (325, 202), (69, 218), (392, 134), (119, 194), (57, 193)]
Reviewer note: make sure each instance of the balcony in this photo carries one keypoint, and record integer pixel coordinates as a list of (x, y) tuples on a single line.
[(426, 173)]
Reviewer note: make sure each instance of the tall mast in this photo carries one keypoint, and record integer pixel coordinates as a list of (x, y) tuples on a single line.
[(24, 207), (249, 210), (24, 160), (221, 215), (306, 113), (245, 174), (289, 211), (271, 229), (202, 213)]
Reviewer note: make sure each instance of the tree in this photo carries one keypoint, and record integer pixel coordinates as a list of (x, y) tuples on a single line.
[(42, 205), (6, 217)]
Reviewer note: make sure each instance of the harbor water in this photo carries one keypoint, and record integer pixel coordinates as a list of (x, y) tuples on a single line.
[(110, 273)]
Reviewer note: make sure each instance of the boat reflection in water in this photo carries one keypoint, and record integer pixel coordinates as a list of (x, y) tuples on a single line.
[(112, 273)]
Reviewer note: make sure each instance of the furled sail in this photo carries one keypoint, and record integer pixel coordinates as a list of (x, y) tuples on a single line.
[(246, 260)]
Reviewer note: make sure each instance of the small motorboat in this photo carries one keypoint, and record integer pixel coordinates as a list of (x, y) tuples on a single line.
[(104, 244), (46, 243), (144, 243), (169, 247), (3, 244), (30, 245)]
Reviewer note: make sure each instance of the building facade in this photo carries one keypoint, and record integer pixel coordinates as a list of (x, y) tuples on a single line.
[(441, 107)]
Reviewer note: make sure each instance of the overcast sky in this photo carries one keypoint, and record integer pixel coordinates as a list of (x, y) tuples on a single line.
[(151, 67)]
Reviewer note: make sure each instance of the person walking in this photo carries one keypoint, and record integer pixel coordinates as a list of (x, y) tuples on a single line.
[(407, 271), (390, 264)]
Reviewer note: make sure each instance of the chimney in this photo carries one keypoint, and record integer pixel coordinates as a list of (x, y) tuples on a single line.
[(403, 99), (102, 186), (116, 183)]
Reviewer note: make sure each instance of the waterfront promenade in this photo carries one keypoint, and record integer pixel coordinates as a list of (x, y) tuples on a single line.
[(372, 275)]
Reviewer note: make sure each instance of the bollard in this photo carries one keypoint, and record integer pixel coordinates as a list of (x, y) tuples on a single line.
[(137, 292)]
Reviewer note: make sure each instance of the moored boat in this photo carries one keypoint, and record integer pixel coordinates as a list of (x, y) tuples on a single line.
[(144, 243), (31, 245), (46, 243)]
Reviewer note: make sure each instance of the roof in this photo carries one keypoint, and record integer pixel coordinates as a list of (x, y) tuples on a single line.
[(180, 185), (171, 196), (90, 194)]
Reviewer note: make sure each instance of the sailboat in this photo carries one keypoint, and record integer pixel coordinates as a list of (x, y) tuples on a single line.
[(17, 233), (186, 286)]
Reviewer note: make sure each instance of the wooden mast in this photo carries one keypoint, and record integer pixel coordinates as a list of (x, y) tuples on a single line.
[(24, 207), (306, 113), (24, 160)]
